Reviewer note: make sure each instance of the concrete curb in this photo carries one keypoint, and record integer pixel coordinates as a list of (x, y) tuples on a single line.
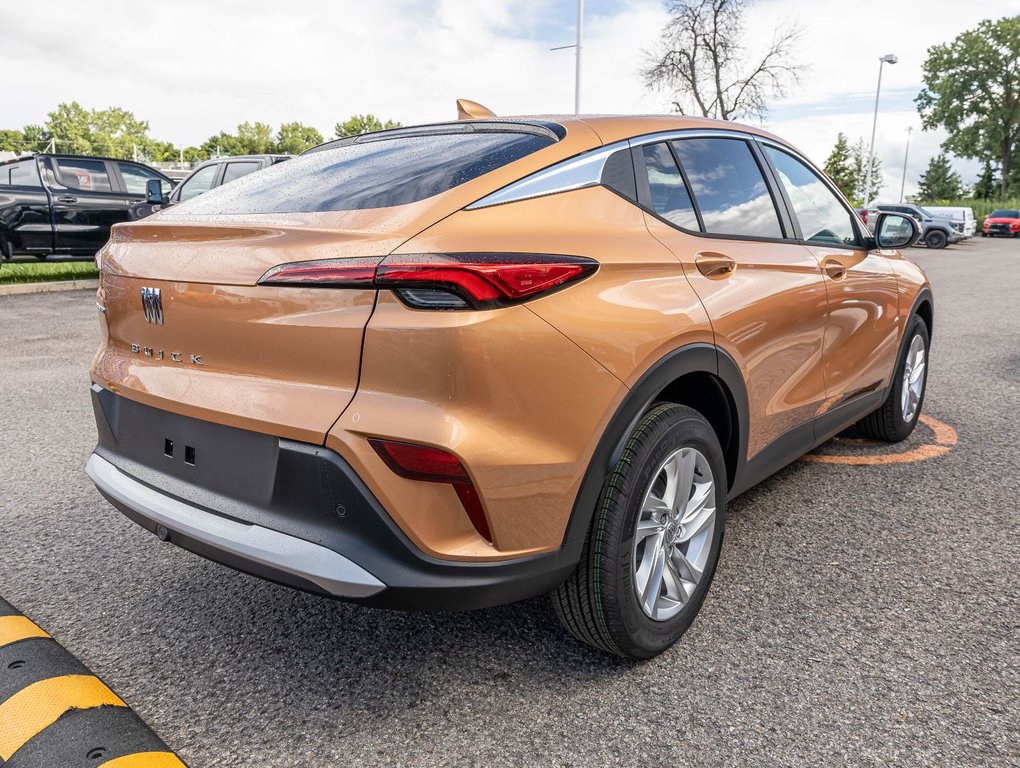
[(14, 289)]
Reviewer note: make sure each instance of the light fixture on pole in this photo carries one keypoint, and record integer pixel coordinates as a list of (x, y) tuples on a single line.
[(577, 52), (906, 154), (889, 58)]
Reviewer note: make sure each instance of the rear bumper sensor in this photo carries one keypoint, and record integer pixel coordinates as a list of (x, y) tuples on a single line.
[(329, 570)]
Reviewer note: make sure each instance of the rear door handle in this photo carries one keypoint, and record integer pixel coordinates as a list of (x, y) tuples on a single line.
[(67, 199), (715, 265), (834, 269)]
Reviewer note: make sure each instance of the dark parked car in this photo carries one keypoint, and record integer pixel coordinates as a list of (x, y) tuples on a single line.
[(218, 171), (67, 203)]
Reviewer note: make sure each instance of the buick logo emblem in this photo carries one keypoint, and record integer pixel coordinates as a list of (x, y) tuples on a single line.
[(152, 306)]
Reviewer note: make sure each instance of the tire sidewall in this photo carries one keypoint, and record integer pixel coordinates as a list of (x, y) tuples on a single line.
[(916, 327), (936, 239), (645, 636)]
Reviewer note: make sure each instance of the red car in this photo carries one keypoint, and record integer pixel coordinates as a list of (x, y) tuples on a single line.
[(1002, 222)]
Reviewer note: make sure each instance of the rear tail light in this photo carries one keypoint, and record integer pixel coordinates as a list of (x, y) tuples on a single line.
[(432, 465), (442, 281)]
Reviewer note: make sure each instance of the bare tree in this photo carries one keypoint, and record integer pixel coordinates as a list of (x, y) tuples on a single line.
[(703, 64)]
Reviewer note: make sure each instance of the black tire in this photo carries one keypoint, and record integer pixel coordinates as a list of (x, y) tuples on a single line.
[(936, 239), (984, 234), (598, 604), (887, 423)]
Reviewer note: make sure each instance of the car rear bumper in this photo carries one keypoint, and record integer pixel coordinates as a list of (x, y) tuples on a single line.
[(291, 512)]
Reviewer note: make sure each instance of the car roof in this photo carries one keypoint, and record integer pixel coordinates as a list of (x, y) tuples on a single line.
[(68, 156), (608, 128)]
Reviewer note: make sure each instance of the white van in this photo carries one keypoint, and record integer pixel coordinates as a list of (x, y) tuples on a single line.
[(964, 216)]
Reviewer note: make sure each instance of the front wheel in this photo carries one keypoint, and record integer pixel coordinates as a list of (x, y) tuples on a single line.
[(936, 239), (654, 542), (897, 417)]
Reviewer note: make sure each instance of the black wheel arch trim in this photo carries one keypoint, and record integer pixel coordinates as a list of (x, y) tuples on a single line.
[(690, 358), (924, 296)]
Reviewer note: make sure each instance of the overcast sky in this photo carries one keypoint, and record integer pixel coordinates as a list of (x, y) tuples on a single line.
[(193, 68)]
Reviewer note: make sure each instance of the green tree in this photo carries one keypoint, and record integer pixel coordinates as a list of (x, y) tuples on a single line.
[(295, 138), (359, 124), (840, 168), (858, 166), (972, 89), (939, 182), (250, 139), (35, 138), (113, 131), (987, 185), (71, 126), (12, 141)]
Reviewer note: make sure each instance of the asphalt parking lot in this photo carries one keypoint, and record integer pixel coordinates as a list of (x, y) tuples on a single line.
[(861, 614)]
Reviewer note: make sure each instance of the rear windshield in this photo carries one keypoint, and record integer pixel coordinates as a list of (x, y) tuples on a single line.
[(1006, 214), (372, 174)]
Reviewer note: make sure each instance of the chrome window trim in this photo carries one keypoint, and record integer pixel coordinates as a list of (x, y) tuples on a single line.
[(578, 172), (585, 170)]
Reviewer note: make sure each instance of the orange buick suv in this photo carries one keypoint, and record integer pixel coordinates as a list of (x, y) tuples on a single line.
[(456, 365)]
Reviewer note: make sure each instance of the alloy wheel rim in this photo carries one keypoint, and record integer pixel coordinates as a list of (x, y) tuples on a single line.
[(673, 535), (914, 372)]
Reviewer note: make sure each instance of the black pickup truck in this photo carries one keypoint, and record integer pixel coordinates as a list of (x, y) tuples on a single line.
[(66, 204)]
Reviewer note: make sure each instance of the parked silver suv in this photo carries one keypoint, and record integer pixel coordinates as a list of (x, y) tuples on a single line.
[(936, 231)]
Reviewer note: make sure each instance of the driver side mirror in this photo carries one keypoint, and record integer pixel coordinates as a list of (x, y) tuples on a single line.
[(895, 231), (154, 192)]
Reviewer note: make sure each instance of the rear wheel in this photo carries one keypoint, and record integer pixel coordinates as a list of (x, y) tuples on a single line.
[(897, 417), (654, 542), (936, 239)]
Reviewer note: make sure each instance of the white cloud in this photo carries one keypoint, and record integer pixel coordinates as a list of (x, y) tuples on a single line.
[(192, 68)]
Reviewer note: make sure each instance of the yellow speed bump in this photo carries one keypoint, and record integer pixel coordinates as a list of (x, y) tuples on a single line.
[(146, 760), (15, 628), (41, 704)]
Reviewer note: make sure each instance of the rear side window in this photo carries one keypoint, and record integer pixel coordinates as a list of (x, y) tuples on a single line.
[(23, 174), (821, 216), (729, 187), (84, 175), (669, 194), (237, 170), (199, 182), (372, 174), (135, 178)]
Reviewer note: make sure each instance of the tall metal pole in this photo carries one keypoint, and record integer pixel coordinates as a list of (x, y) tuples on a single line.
[(906, 154), (891, 59), (577, 46), (871, 147)]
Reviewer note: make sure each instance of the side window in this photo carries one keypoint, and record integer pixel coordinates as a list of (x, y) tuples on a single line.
[(201, 181), (729, 187), (85, 175), (237, 170), (23, 174), (135, 177), (821, 215), (670, 197)]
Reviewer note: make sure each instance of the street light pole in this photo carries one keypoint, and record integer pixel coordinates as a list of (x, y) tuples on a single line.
[(906, 154), (577, 50), (889, 58), (577, 53)]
